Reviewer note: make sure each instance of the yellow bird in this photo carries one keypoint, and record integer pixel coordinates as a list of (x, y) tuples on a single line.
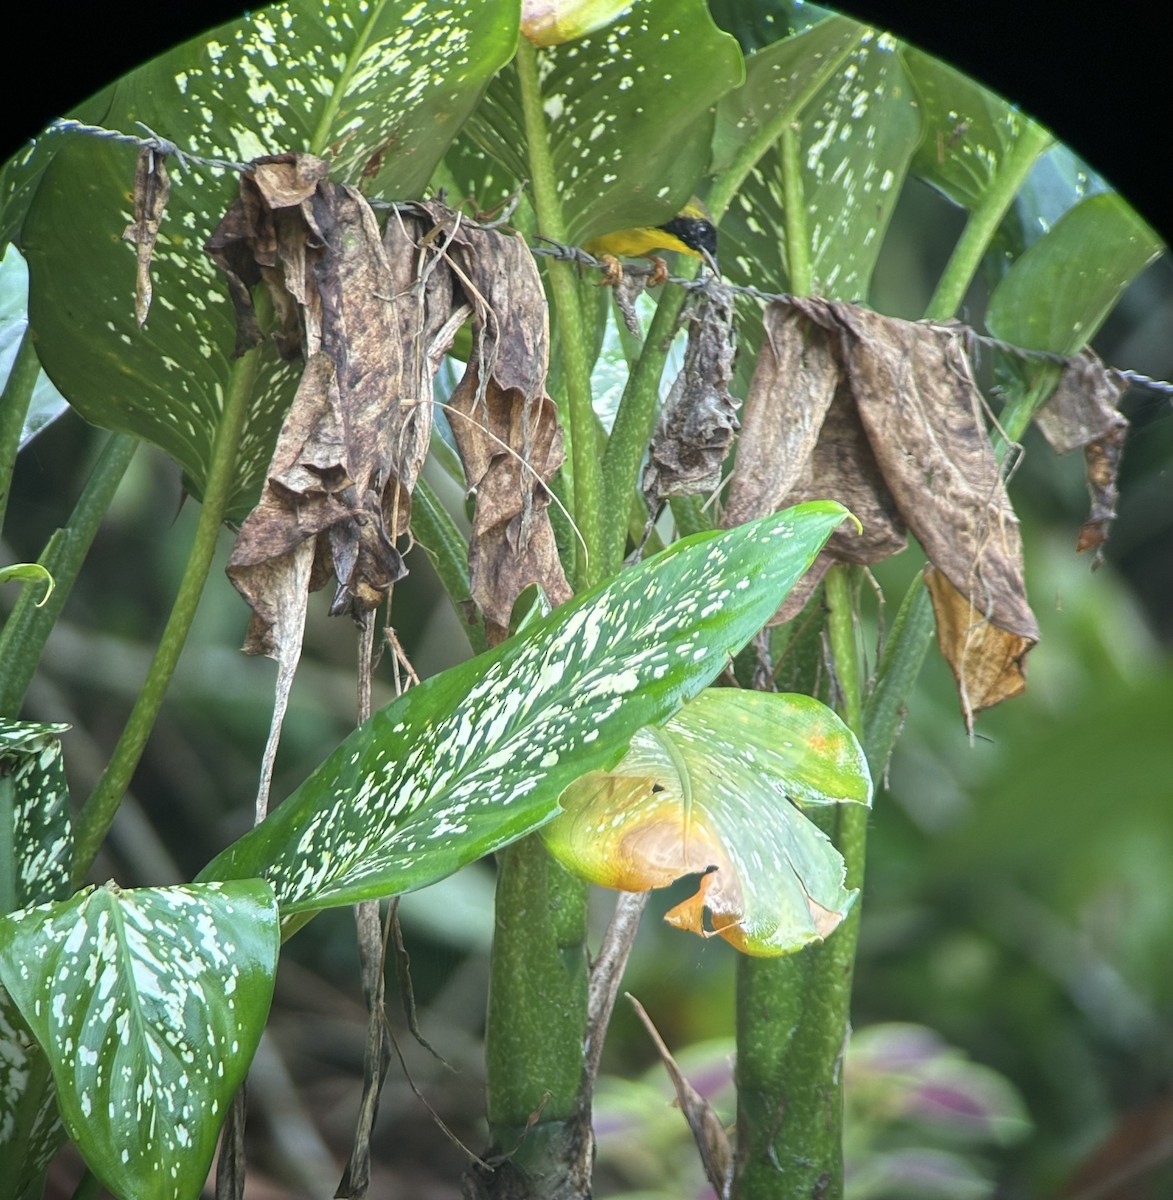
[(691, 231)]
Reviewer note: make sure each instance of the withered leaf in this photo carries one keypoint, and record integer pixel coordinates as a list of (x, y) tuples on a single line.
[(986, 661), (1082, 413), (152, 189), (696, 426), (884, 415), (505, 425), (332, 475)]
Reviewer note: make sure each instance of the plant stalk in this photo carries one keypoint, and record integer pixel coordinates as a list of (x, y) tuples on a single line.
[(14, 406), (571, 332), (98, 812), (28, 627), (983, 223)]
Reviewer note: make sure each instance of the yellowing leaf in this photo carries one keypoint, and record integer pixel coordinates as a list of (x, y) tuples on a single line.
[(719, 789)]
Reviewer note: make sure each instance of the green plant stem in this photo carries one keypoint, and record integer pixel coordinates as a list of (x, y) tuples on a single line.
[(571, 331), (632, 429), (798, 255), (14, 406), (28, 627), (537, 1001), (95, 817), (793, 1014), (436, 531), (984, 221)]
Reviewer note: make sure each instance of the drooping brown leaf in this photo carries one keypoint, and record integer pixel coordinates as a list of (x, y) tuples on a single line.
[(696, 427), (506, 427), (1082, 413), (152, 189), (322, 258), (884, 415), (707, 1131), (986, 660)]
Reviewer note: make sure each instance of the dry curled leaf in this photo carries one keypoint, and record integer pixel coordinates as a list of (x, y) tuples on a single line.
[(1082, 413), (696, 426), (505, 425), (885, 416), (152, 189)]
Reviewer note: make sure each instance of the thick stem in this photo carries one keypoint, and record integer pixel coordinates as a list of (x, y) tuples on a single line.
[(793, 1014), (95, 817), (537, 1017)]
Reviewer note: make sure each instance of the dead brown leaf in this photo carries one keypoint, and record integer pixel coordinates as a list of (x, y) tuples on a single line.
[(884, 416), (1082, 413), (698, 420), (986, 661), (152, 189), (505, 425)]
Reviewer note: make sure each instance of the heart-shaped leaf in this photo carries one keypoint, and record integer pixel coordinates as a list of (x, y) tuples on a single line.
[(477, 756), (719, 789), (380, 88), (149, 1005)]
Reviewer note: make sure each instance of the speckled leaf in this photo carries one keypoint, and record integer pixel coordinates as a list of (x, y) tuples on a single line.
[(149, 1005), (858, 135), (628, 112), (379, 88), (30, 1127), (1058, 293), (36, 841), (777, 81), (476, 757), (720, 790), (968, 129)]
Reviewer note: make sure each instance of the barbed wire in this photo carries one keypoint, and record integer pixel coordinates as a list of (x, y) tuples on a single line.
[(564, 253)]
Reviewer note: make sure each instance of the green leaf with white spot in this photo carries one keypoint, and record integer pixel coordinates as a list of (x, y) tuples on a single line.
[(149, 1005), (628, 114), (476, 757), (380, 89), (857, 137), (36, 839), (778, 83), (36, 846), (968, 130), (720, 790), (31, 1132), (1058, 293)]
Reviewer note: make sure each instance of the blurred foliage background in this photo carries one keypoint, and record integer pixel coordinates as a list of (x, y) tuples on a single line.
[(1019, 899)]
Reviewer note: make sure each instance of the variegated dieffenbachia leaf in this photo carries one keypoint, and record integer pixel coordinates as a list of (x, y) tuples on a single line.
[(969, 130), (36, 845), (628, 114), (856, 140), (476, 757), (148, 1005), (1057, 295), (36, 840), (720, 789), (379, 89)]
